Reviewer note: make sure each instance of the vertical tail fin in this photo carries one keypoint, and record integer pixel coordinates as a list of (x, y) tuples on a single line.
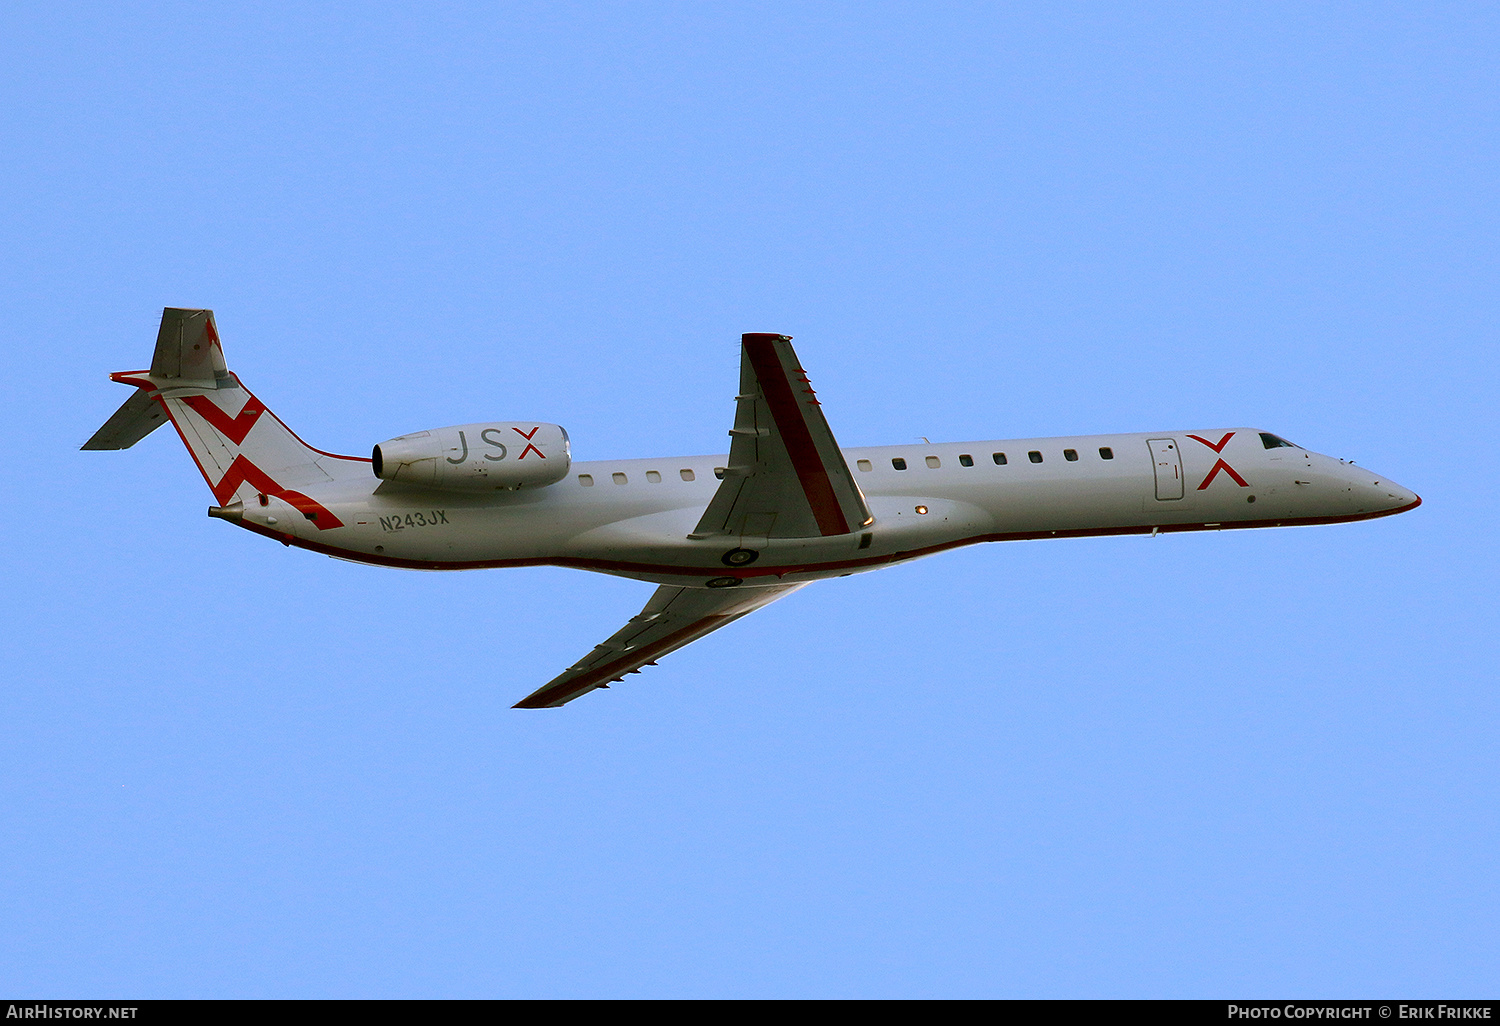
[(188, 350), (243, 449)]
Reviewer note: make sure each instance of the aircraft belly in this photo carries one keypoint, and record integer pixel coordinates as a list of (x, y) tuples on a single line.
[(424, 526), (662, 540), (657, 547)]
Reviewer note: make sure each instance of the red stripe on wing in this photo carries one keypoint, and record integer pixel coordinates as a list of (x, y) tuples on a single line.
[(782, 402)]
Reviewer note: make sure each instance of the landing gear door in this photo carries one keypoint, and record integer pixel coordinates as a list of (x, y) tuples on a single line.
[(1168, 464)]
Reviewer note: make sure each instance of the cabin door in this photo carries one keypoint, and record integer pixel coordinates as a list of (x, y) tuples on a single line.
[(1168, 466)]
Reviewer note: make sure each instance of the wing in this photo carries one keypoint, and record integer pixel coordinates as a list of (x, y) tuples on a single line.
[(673, 618), (786, 476)]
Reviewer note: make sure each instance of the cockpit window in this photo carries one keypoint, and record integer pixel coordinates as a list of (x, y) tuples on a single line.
[(1271, 441)]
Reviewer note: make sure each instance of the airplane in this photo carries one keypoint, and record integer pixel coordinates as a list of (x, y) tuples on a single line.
[(720, 535)]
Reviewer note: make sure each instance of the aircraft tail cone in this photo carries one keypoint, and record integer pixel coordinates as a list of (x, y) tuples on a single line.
[(234, 512)]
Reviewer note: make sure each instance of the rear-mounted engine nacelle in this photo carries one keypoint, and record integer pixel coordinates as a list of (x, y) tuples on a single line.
[(476, 457)]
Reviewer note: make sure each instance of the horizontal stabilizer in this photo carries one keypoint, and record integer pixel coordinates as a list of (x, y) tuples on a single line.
[(242, 448), (136, 418), (187, 347), (188, 355)]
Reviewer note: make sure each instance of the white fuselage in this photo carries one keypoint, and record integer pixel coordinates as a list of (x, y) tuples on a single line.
[(725, 535), (633, 517)]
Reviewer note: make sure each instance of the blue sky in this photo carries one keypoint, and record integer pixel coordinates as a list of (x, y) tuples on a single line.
[(1254, 764)]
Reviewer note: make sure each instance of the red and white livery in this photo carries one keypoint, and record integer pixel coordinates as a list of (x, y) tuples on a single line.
[(722, 535)]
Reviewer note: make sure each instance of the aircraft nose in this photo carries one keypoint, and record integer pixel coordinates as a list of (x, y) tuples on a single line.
[(1384, 494)]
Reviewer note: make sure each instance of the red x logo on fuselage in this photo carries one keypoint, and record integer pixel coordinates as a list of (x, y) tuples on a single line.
[(1221, 465)]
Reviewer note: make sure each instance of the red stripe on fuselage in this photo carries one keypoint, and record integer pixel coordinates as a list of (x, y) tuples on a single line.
[(321, 517), (242, 471), (782, 402)]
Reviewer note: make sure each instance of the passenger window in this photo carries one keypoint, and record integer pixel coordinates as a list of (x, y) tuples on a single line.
[(587, 480), (719, 473), (1106, 453), (685, 474), (619, 477), (965, 460), (934, 462), (1034, 456), (999, 458), (1071, 455), (862, 464), (898, 463), (654, 476), (1270, 441)]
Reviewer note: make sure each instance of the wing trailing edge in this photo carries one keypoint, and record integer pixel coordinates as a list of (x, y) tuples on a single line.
[(673, 618)]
